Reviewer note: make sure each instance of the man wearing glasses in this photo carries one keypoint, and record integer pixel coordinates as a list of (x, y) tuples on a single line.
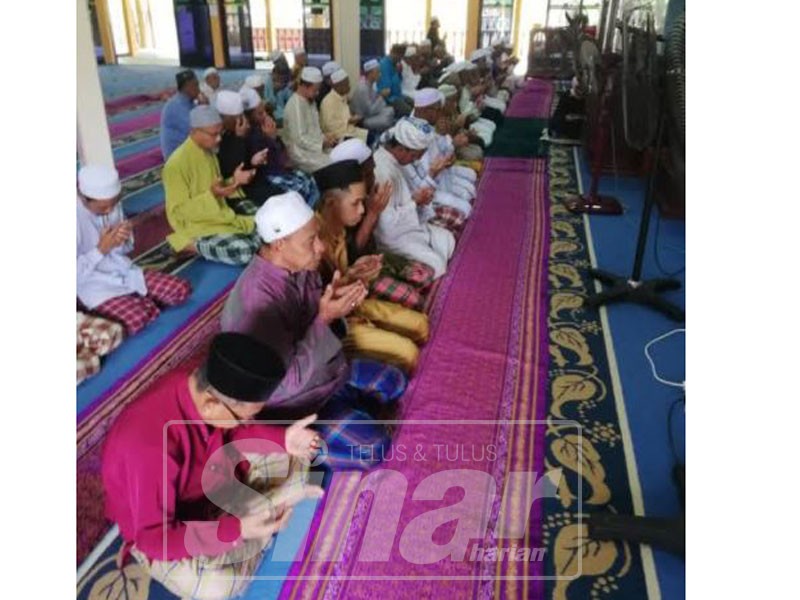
[(208, 214), (182, 464)]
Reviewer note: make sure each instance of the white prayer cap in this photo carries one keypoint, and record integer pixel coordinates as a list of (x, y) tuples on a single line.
[(210, 71), (250, 98), (426, 97), (254, 81), (413, 133), (204, 116), (274, 55), (370, 65), (298, 50), (311, 75), (425, 42), (479, 54), (456, 67), (230, 103), (338, 76), (99, 182), (282, 215), (411, 51), (447, 90), (329, 68), (352, 149)]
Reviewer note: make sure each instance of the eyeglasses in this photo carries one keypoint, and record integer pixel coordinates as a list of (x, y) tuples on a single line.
[(211, 134), (236, 416)]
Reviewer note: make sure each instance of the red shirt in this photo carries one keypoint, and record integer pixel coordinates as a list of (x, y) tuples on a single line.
[(158, 475)]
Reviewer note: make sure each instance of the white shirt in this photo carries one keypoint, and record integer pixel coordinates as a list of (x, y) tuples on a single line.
[(102, 277), (410, 80), (303, 135)]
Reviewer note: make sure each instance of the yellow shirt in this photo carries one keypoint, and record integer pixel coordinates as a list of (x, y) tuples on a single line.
[(334, 117), (192, 210)]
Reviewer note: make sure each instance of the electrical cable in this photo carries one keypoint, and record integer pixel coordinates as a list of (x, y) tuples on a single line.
[(681, 385)]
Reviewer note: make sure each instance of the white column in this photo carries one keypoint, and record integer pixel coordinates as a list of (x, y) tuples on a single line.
[(94, 141), (347, 37)]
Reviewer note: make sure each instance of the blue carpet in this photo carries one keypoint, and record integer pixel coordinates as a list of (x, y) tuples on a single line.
[(126, 80), (647, 401), (104, 572), (208, 280), (144, 199), (121, 152), (136, 112)]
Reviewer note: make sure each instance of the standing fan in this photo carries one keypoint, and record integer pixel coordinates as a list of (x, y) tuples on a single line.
[(596, 84), (644, 117), (666, 533)]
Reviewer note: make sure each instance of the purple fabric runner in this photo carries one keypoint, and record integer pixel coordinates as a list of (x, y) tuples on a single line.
[(131, 165), (532, 101), (150, 119)]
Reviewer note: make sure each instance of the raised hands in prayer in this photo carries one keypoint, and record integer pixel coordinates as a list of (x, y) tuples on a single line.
[(242, 176), (113, 236), (423, 196), (265, 522), (221, 190), (259, 158), (242, 126), (440, 164), (302, 442), (339, 300), (365, 268), (379, 198)]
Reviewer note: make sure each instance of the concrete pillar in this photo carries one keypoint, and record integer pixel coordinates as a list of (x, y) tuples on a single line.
[(347, 37), (94, 141)]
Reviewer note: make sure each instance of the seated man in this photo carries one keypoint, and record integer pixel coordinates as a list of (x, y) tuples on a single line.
[(302, 133), (401, 280), (194, 516), (390, 82), (328, 69), (371, 104), (202, 221), (278, 91), (109, 284), (400, 230), (334, 112), (435, 202), (175, 114), (377, 329), (300, 62), (280, 300), (234, 151), (469, 103), (451, 122), (494, 105), (263, 136), (410, 78), (440, 157), (210, 86)]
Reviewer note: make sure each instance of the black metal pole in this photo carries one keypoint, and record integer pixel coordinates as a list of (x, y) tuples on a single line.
[(644, 224)]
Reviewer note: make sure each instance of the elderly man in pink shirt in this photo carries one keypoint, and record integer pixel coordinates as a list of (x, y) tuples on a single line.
[(182, 464)]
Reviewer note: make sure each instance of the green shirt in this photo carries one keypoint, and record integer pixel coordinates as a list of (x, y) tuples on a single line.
[(192, 210)]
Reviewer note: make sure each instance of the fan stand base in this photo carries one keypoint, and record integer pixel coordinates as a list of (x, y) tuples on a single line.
[(593, 205), (621, 289)]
